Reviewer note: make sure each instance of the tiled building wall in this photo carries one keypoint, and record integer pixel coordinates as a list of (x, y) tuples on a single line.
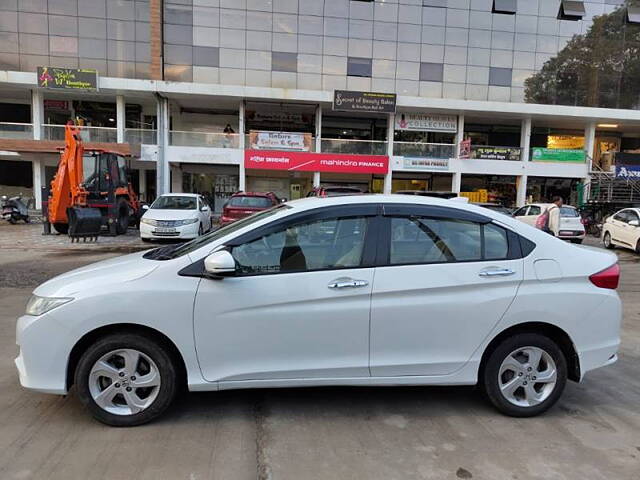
[(435, 48), (109, 35)]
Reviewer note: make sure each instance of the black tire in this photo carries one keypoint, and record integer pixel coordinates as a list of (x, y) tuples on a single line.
[(61, 228), (27, 220), (145, 240), (124, 216), (607, 241), (166, 367), (638, 247), (489, 377), (12, 220), (576, 240), (200, 230)]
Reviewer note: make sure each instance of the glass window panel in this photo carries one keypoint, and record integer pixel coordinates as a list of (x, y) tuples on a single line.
[(178, 54), (496, 245), (206, 56), (431, 72), (359, 67), (500, 77), (504, 6), (434, 3), (320, 245), (284, 62), (178, 14), (571, 10)]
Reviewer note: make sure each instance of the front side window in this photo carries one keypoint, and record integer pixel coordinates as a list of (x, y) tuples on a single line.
[(416, 240), (319, 245), (621, 216), (520, 212)]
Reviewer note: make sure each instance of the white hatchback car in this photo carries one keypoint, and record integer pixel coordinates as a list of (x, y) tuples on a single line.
[(358, 290), (176, 215), (571, 227), (622, 229)]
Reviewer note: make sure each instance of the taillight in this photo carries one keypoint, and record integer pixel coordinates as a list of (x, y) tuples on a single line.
[(607, 278)]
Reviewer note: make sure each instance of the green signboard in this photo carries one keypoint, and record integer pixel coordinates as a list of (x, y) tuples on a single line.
[(557, 155), (68, 78)]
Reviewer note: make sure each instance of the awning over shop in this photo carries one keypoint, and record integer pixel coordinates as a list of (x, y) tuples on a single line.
[(54, 146)]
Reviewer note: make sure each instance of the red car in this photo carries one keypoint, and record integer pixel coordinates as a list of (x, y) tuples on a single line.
[(243, 204)]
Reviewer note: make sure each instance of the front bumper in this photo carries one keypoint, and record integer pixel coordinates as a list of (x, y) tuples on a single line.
[(183, 232), (44, 352)]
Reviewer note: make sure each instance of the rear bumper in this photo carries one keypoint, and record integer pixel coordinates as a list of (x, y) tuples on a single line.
[(572, 234)]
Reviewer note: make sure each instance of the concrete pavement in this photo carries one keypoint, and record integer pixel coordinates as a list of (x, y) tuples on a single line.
[(326, 433)]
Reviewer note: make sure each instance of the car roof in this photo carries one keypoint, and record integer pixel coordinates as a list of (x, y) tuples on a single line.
[(191, 195), (252, 194)]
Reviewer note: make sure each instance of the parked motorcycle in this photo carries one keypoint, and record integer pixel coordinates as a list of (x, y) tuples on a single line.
[(14, 209)]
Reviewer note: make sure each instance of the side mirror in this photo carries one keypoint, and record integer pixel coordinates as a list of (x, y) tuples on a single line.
[(220, 263), (145, 207), (634, 223)]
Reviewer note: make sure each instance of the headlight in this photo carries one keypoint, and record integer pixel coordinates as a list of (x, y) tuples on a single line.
[(188, 221), (149, 221), (39, 305)]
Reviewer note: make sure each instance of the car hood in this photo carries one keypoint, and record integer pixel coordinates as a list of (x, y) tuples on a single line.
[(157, 214), (97, 275)]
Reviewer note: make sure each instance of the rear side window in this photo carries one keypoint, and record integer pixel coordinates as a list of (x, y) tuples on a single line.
[(534, 210), (416, 240), (250, 202)]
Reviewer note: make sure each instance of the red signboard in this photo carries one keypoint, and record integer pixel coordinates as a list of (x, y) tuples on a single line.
[(315, 162)]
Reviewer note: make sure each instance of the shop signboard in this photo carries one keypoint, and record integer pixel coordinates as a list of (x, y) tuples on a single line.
[(496, 153), (628, 171), (465, 148), (68, 78), (557, 155), (426, 122), (280, 141), (350, 101), (315, 162), (422, 163)]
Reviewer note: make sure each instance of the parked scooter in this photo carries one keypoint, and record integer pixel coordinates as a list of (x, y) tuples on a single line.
[(14, 209)]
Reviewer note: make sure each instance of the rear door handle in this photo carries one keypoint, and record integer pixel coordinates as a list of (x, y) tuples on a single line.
[(347, 283), (498, 272)]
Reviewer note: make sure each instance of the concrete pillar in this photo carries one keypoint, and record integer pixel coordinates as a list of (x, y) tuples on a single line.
[(459, 134), (316, 179), (176, 179), (242, 180), (318, 145), (390, 131), (37, 113), (525, 139), (590, 143), (37, 172), (120, 118), (521, 190), (162, 165), (456, 181), (142, 183)]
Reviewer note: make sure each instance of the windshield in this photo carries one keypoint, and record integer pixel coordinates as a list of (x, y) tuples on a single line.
[(175, 251), (174, 203), (250, 202), (568, 212)]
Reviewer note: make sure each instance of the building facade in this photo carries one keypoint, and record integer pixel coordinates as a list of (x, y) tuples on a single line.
[(506, 100)]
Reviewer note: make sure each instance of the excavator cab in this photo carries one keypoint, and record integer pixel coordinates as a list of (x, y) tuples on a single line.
[(91, 189)]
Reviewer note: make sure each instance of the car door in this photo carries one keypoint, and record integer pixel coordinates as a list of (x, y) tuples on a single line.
[(445, 279), (299, 304), (630, 230), (532, 214), (618, 227)]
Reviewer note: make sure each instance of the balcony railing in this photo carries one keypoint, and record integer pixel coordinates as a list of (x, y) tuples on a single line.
[(487, 152), (204, 139), (87, 134), (357, 147), (140, 136), (424, 150), (21, 131)]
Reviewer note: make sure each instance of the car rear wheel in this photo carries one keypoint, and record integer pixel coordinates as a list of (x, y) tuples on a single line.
[(607, 241), (126, 380), (524, 375), (638, 246)]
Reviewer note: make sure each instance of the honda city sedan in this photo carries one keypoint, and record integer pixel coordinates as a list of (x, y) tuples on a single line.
[(176, 215), (373, 290), (622, 229)]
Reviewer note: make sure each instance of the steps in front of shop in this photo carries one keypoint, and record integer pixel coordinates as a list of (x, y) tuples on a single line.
[(606, 188)]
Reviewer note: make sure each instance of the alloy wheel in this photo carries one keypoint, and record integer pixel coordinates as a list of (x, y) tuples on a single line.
[(527, 376), (124, 382)]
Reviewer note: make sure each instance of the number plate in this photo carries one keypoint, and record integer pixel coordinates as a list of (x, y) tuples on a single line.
[(165, 230)]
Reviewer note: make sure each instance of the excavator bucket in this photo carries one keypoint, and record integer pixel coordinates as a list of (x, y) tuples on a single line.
[(84, 223)]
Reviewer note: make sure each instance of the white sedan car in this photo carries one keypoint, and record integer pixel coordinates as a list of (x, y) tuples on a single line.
[(176, 215), (571, 227), (359, 290), (622, 229)]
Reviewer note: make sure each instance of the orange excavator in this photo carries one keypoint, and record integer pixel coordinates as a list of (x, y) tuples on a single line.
[(90, 190)]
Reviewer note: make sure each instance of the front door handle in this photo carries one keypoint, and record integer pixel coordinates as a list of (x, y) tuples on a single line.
[(498, 272), (347, 283)]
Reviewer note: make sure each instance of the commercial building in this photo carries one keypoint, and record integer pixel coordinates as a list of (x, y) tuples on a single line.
[(523, 99)]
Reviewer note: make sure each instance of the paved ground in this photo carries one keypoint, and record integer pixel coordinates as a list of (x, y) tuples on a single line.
[(329, 433)]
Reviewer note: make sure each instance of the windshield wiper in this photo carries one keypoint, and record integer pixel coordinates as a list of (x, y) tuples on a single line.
[(163, 253)]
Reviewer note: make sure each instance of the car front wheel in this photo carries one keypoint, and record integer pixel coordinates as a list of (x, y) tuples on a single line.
[(607, 241), (126, 379), (524, 375)]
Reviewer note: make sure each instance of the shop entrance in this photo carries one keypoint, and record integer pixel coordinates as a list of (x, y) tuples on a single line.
[(543, 189), (499, 188), (434, 182), (285, 185), (215, 182)]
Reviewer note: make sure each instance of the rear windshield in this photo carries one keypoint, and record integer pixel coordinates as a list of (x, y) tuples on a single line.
[(174, 203), (250, 202), (568, 212)]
